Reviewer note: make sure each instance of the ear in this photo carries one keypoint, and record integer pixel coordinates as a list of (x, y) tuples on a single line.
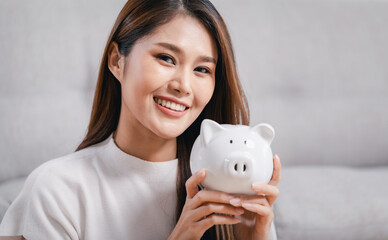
[(115, 61), (208, 129), (265, 131)]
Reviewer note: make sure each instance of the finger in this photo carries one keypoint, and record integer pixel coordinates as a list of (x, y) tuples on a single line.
[(265, 189), (269, 191), (257, 199), (193, 181), (261, 210), (216, 219), (210, 196), (277, 171), (211, 208)]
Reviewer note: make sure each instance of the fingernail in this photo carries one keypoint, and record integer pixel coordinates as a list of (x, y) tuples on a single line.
[(235, 202), (236, 220), (257, 187), (276, 156), (248, 206), (200, 173), (240, 211)]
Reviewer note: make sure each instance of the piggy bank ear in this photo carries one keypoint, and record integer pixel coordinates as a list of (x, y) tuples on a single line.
[(208, 129), (265, 131)]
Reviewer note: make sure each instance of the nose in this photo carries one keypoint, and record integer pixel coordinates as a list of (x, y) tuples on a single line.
[(239, 165), (181, 82)]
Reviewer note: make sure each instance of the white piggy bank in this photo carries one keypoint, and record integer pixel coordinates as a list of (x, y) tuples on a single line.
[(234, 156)]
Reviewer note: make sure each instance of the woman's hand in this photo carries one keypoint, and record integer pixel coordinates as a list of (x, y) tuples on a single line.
[(198, 212), (256, 221)]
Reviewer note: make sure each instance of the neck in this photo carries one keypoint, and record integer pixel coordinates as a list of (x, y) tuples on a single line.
[(144, 144)]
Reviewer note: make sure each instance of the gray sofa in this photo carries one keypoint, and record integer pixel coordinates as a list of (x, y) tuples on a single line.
[(316, 70)]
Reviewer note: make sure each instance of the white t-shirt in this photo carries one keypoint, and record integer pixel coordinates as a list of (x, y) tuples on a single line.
[(99, 192)]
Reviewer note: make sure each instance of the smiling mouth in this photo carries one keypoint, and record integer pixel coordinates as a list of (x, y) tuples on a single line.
[(170, 105)]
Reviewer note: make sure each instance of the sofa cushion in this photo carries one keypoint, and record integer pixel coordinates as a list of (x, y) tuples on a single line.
[(8, 192), (332, 203)]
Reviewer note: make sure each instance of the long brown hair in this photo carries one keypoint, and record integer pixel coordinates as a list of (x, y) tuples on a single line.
[(228, 104)]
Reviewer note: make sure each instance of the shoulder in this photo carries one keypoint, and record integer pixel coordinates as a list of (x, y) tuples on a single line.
[(54, 197), (54, 189), (60, 166), (64, 173)]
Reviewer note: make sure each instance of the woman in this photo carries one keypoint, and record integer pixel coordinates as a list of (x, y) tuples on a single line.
[(167, 65)]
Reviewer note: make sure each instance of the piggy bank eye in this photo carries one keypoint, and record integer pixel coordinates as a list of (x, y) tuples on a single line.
[(231, 141), (245, 141)]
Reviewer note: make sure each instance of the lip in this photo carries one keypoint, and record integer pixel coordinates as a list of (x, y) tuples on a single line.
[(173, 100), (170, 112)]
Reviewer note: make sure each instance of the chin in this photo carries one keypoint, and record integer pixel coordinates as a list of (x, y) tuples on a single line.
[(169, 134), (169, 130)]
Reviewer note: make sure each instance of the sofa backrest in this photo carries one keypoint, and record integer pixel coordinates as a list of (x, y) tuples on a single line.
[(315, 70), (318, 72), (50, 55)]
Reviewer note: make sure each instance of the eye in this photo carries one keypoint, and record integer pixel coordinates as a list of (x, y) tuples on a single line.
[(245, 141), (231, 141), (165, 58), (202, 70)]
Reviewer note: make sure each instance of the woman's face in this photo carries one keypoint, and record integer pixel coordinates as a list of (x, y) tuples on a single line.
[(168, 78)]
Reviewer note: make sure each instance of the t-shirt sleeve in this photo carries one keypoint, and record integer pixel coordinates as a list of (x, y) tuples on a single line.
[(43, 209)]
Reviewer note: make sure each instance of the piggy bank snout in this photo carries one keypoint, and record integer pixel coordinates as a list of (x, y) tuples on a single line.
[(239, 164)]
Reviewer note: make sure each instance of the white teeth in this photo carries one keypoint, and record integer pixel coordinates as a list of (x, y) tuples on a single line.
[(171, 105)]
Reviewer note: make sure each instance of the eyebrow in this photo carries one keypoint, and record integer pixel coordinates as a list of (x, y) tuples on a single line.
[(177, 50)]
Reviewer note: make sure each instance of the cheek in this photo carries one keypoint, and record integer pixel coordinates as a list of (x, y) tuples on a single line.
[(142, 79), (204, 93), (153, 75)]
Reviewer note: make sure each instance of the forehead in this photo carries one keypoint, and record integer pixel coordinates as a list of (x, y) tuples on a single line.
[(187, 33)]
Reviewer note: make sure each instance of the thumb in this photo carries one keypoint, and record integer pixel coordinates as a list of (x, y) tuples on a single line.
[(193, 181)]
